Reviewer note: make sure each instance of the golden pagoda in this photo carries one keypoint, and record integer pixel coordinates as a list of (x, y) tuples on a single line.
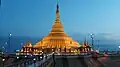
[(57, 38), (56, 41)]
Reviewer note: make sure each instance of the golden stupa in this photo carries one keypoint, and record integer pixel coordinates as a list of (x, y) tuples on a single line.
[(57, 38), (56, 41)]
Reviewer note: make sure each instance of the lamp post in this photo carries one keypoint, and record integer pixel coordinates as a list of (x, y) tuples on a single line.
[(25, 60), (3, 61), (119, 48), (17, 57), (17, 61), (92, 40), (98, 45), (9, 42), (3, 58), (3, 49), (34, 62)]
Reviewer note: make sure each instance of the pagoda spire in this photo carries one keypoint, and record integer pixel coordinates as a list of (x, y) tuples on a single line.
[(57, 7), (57, 26), (57, 13)]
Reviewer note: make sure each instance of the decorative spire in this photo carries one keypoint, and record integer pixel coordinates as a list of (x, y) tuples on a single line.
[(57, 26), (57, 13), (57, 7)]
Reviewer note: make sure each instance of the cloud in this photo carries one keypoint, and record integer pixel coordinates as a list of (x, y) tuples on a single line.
[(107, 36), (112, 37)]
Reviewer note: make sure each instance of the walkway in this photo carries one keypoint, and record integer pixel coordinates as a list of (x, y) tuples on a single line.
[(76, 62)]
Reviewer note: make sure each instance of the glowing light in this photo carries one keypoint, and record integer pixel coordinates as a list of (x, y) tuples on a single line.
[(118, 46), (34, 59), (91, 34), (3, 47), (5, 42), (3, 59), (25, 56), (41, 57), (10, 35), (17, 57)]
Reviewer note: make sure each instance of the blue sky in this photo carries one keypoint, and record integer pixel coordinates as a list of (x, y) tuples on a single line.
[(35, 17)]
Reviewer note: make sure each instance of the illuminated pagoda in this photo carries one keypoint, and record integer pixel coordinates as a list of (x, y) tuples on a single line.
[(85, 47), (27, 48), (56, 41)]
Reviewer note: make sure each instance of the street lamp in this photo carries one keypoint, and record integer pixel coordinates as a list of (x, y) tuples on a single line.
[(25, 60), (3, 48), (40, 57), (92, 35), (34, 62), (3, 61), (119, 47), (3, 58), (98, 44), (17, 57), (9, 42), (10, 34), (25, 56), (34, 59)]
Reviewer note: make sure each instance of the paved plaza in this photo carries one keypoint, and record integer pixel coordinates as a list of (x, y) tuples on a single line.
[(85, 62)]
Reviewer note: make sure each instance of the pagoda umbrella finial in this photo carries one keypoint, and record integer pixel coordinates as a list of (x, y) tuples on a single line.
[(57, 6), (57, 13)]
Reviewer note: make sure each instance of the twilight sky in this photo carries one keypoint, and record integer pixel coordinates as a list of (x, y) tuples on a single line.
[(35, 17)]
